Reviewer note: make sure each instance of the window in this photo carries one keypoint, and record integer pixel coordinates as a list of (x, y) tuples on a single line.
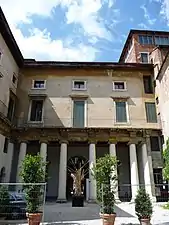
[(5, 150), (36, 110), (121, 114), (154, 141), (148, 87), (79, 85), (144, 57), (151, 112), (145, 40), (158, 178), (39, 84), (119, 85), (161, 40), (2, 174), (14, 78), (11, 107), (157, 100), (78, 113), (1, 55)]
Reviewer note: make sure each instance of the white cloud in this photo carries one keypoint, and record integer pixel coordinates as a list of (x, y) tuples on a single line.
[(40, 46), (165, 10), (147, 15), (143, 26), (39, 43), (85, 13)]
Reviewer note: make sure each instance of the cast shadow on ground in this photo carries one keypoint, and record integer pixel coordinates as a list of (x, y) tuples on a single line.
[(122, 213)]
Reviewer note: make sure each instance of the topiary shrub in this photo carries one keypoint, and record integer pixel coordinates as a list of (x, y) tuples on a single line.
[(104, 171), (4, 201), (33, 172), (143, 205)]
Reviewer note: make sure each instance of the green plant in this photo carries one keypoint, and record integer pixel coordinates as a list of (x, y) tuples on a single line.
[(143, 205), (4, 201), (166, 161), (104, 171), (33, 173)]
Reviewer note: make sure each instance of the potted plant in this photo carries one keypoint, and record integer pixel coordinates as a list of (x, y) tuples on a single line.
[(33, 174), (78, 172), (104, 171), (143, 207), (4, 202)]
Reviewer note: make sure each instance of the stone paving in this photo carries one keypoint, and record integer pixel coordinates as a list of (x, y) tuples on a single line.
[(89, 215)]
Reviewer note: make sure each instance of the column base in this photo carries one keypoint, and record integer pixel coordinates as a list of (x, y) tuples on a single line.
[(94, 201), (61, 201), (117, 201), (153, 199)]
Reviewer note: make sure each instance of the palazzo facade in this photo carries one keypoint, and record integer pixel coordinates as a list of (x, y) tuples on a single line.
[(79, 111)]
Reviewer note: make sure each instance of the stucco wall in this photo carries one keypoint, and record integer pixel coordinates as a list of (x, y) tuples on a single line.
[(100, 107), (8, 66)]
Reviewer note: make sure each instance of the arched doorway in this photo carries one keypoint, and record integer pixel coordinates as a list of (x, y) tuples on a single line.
[(73, 163)]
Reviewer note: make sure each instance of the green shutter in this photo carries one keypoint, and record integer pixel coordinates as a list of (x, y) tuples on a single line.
[(121, 115), (151, 112), (78, 114)]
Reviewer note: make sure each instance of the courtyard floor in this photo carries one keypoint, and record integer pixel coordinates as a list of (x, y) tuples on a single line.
[(89, 215)]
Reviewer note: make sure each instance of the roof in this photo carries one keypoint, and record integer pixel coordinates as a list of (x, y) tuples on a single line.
[(32, 64), (132, 32), (9, 39)]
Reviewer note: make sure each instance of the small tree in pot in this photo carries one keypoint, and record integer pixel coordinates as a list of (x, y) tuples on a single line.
[(33, 173), (104, 171), (143, 207)]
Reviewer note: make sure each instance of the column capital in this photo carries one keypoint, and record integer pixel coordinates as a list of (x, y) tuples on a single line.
[(112, 140), (41, 141), (133, 141), (63, 141), (92, 141), (23, 141)]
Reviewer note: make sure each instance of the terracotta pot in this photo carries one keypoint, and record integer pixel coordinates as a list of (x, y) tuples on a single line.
[(108, 219), (145, 221), (34, 218)]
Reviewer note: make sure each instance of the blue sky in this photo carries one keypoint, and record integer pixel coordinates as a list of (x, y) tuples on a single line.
[(80, 30)]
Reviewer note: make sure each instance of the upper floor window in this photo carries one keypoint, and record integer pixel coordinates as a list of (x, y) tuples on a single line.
[(161, 40), (14, 78), (154, 141), (119, 85), (79, 85), (144, 57), (151, 112), (39, 84), (36, 110), (145, 40), (148, 87), (5, 150), (78, 113), (1, 54), (121, 111)]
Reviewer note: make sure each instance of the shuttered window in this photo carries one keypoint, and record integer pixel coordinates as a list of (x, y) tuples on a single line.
[(121, 115), (78, 114), (151, 112)]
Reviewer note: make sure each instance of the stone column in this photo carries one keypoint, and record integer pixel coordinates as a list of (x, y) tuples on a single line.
[(22, 154), (114, 185), (9, 161), (133, 170), (92, 160), (62, 173), (146, 169), (43, 151)]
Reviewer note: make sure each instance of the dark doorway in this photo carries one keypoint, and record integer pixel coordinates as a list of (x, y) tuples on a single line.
[(76, 162)]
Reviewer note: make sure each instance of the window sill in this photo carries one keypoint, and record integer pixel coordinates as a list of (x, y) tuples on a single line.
[(38, 88), (79, 89), (120, 90), (123, 123), (36, 122)]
